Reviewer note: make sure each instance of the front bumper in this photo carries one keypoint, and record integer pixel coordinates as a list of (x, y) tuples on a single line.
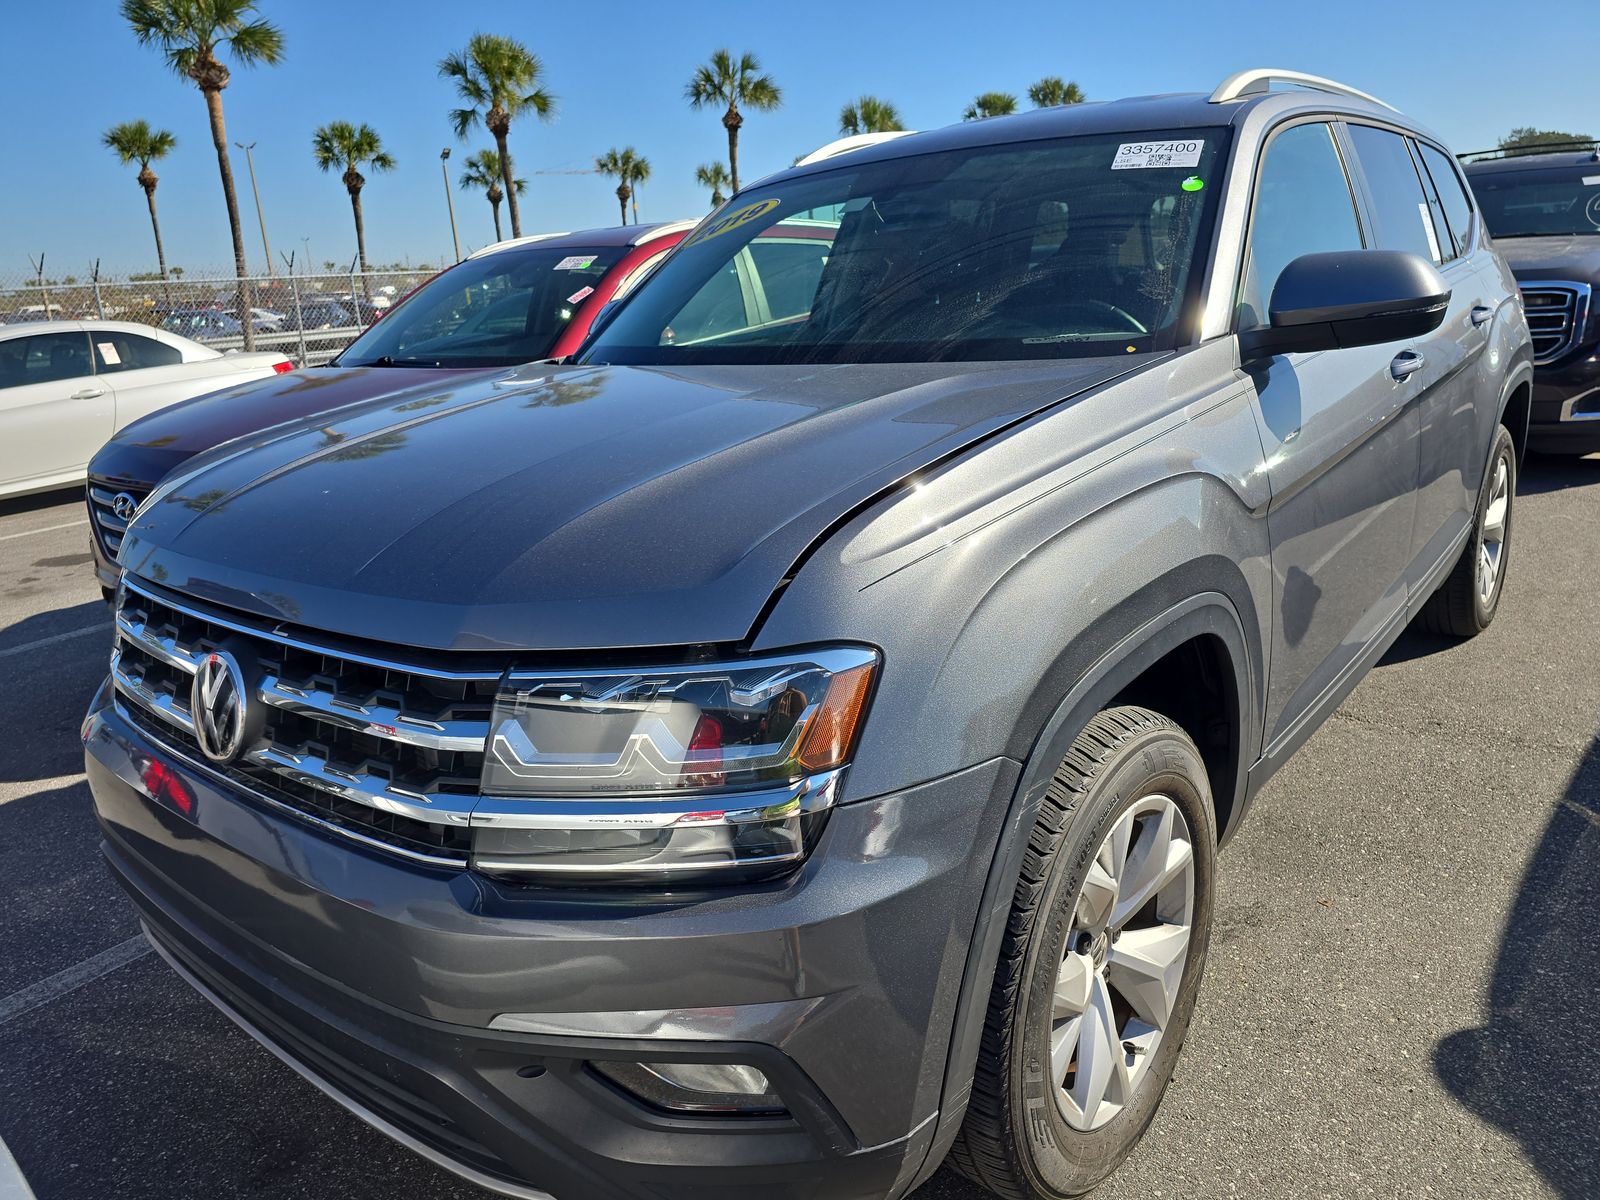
[(379, 979), (1565, 417)]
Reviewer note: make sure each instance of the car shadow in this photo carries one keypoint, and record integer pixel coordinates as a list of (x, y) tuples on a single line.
[(51, 499), (51, 664), (1533, 1067), (1543, 473)]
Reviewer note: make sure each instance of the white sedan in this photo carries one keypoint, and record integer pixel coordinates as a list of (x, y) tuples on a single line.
[(67, 386)]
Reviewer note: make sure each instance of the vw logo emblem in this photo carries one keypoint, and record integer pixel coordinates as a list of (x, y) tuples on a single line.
[(124, 506), (217, 702)]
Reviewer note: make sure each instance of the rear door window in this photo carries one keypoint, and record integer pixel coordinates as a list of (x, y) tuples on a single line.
[(1452, 195), (116, 351), (1400, 206), (1303, 205)]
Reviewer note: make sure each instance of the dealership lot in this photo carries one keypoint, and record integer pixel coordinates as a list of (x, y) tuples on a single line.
[(1399, 999)]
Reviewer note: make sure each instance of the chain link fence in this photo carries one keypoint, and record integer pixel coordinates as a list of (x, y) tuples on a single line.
[(307, 318)]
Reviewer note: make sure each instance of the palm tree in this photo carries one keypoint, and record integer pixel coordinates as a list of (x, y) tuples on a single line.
[(1053, 91), (726, 81), (869, 115), (990, 104), (135, 141), (341, 144), (499, 79), (195, 35), (713, 176), (629, 170), (482, 170)]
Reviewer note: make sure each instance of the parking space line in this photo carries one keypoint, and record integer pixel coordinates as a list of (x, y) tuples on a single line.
[(12, 1185), (55, 986), (102, 627), (6, 537)]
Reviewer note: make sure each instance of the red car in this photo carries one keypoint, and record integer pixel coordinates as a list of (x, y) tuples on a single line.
[(511, 303)]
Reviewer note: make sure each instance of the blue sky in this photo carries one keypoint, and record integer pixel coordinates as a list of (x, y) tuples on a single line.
[(619, 68)]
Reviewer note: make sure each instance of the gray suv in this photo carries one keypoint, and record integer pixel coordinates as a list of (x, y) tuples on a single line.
[(789, 744)]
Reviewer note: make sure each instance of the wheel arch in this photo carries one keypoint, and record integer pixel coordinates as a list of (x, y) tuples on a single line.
[(1208, 622)]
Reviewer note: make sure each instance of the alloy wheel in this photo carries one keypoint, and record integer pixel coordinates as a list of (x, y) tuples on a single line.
[(1123, 964), (1492, 545)]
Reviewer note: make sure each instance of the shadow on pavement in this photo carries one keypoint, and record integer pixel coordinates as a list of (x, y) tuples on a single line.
[(1543, 473), (1533, 1069), (22, 504)]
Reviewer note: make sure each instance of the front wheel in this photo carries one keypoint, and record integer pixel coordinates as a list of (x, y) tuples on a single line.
[(1467, 600), (1100, 965)]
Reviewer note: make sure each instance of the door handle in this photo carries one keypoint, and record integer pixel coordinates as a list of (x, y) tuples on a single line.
[(1481, 313), (1407, 362), (88, 393)]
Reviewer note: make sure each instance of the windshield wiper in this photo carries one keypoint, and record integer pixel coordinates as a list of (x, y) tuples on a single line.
[(390, 361)]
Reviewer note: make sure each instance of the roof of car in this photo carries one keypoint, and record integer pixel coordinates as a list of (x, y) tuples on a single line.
[(1136, 114), (1533, 160), (611, 235), (89, 324)]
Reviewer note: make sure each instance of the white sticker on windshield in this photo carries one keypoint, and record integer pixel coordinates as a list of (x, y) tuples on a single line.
[(1427, 225), (1591, 181), (575, 262), (1134, 156), (109, 354)]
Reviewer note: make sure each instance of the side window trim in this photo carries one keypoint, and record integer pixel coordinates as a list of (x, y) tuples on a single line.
[(1474, 218), (1357, 195)]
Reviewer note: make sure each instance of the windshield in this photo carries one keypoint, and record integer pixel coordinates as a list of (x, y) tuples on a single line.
[(1071, 247), (1547, 202), (497, 311)]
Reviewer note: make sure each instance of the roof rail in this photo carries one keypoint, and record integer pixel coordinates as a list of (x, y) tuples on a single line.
[(1258, 81), (1532, 148), (855, 141)]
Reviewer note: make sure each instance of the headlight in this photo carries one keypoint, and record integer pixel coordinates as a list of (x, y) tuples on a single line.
[(676, 771)]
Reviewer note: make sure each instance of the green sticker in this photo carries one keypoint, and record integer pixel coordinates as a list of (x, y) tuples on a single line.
[(1193, 184)]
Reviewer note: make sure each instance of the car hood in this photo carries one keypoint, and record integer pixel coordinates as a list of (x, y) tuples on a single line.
[(569, 508), (144, 452), (1534, 258)]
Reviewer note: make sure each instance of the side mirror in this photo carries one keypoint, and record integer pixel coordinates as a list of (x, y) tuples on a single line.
[(1349, 298)]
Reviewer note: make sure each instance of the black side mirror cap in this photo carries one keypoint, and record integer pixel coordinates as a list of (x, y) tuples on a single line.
[(1349, 298)]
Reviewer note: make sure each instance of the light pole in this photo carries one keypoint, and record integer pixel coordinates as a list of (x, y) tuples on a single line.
[(444, 168), (306, 242), (260, 218)]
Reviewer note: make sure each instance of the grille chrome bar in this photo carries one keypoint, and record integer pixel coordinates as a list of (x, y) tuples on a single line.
[(1557, 312), (441, 808), (161, 704), (380, 720), (109, 527)]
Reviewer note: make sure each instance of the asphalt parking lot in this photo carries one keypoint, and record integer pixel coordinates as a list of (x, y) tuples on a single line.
[(1400, 998)]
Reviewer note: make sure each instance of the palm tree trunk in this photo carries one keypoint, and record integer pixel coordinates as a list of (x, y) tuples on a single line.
[(635, 206), (495, 204), (219, 138), (622, 202), (361, 239), (733, 158), (161, 254), (511, 185)]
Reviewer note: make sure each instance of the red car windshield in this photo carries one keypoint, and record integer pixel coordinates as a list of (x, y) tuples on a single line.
[(497, 311)]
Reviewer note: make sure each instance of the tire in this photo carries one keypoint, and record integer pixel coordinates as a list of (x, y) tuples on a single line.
[(1024, 1136), (1465, 604)]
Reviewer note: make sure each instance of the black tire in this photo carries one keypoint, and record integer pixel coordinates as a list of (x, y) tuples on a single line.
[(1015, 1140), (1459, 608)]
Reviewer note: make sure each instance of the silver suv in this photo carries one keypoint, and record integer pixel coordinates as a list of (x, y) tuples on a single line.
[(789, 744)]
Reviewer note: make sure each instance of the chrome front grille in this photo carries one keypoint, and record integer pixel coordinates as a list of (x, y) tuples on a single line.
[(108, 526), (1557, 311), (389, 751)]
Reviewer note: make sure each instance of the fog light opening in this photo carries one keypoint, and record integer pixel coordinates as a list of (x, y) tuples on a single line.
[(730, 1089)]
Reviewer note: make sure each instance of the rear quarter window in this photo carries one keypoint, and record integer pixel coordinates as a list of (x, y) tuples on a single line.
[(1403, 214)]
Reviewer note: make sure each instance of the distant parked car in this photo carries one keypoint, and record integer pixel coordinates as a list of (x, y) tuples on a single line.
[(1543, 206), (66, 386), (202, 324), (510, 303)]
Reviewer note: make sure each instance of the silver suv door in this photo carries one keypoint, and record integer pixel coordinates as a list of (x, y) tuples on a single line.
[(1340, 440), (1408, 215)]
